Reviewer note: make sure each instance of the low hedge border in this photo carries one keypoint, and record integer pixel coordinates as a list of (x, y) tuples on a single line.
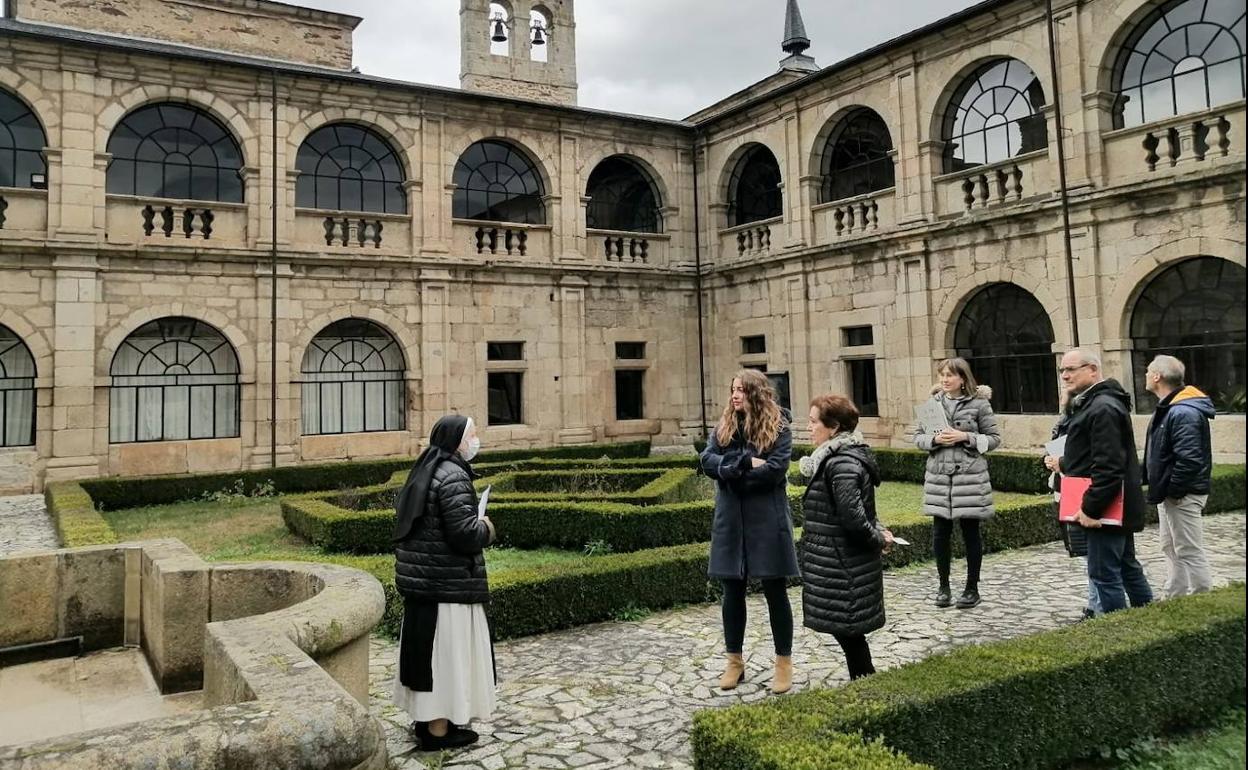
[(1032, 702), (673, 485), (73, 512)]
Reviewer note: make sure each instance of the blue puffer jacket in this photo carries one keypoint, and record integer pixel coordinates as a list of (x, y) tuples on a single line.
[(1178, 454)]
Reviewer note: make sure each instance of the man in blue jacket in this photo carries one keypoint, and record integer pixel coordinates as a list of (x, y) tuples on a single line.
[(1178, 463)]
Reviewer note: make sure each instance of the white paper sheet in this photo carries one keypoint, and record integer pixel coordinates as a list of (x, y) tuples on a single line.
[(485, 499), (931, 417), (900, 541), (1056, 447)]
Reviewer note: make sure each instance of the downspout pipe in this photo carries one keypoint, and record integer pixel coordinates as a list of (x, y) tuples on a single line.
[(1061, 175), (273, 279), (697, 284)]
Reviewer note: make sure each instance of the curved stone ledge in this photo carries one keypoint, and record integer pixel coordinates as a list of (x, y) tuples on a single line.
[(284, 651)]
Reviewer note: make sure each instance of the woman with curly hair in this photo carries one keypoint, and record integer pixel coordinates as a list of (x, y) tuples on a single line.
[(752, 532)]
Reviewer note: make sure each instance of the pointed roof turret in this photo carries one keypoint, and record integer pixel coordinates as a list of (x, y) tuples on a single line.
[(795, 41)]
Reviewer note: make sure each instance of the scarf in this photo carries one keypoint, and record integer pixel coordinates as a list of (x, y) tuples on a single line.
[(409, 504), (809, 465)]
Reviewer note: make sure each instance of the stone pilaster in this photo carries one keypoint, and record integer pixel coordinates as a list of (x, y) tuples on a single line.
[(79, 439)]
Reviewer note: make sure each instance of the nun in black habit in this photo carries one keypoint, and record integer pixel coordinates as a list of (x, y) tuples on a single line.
[(446, 665)]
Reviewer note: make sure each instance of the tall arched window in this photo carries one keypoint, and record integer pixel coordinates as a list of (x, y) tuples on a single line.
[(1185, 56), (857, 158), (21, 143), (172, 379), (621, 197), (345, 167), (1006, 336), (994, 115), (1194, 311), (17, 391), (174, 151), (496, 182), (353, 380), (754, 187)]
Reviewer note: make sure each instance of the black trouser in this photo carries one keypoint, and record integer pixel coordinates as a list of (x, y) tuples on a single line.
[(942, 536), (778, 609), (857, 654)]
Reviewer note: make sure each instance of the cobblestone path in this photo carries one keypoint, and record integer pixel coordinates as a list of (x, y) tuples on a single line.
[(621, 694), (25, 525)]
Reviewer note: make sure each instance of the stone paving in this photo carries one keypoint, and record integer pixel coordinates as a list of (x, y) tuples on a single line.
[(621, 694), (25, 525)]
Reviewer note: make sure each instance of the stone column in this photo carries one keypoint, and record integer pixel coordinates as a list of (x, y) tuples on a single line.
[(569, 221), (915, 198), (573, 384), (78, 437), (415, 204), (435, 338), (435, 211), (908, 346)]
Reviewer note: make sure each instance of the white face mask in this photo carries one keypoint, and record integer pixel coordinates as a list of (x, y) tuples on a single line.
[(470, 451)]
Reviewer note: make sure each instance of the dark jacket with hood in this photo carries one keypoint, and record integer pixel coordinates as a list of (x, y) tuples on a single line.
[(1100, 445), (1178, 453), (842, 572)]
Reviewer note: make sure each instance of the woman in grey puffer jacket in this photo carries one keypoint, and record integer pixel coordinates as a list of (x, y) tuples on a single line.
[(955, 482)]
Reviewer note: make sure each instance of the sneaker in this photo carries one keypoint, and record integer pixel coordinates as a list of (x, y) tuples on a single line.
[(943, 597), (455, 738), (1088, 614), (968, 599)]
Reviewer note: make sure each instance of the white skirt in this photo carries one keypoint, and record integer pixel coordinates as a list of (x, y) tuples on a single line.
[(463, 670)]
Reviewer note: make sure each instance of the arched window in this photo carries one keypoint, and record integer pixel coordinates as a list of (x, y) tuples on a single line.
[(174, 151), (858, 157), (21, 143), (621, 197), (496, 182), (345, 167), (994, 115), (1005, 334), (754, 188), (1194, 311), (1185, 56), (353, 380), (173, 379), (17, 391)]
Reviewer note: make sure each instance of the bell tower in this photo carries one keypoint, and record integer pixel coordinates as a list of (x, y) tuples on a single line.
[(523, 48)]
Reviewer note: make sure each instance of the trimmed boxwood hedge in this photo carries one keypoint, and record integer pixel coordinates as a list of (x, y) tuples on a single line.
[(1040, 701), (73, 512), (673, 485)]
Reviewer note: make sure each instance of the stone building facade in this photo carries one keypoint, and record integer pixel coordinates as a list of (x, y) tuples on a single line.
[(568, 275)]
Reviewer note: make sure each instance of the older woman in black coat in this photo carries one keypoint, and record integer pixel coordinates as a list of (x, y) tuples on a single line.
[(842, 573), (446, 661), (752, 532)]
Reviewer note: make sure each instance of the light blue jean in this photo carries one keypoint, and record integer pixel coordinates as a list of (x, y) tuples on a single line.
[(1094, 600)]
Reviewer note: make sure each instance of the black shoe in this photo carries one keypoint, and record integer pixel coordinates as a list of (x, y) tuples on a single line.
[(943, 597), (968, 599), (1088, 614), (455, 738)]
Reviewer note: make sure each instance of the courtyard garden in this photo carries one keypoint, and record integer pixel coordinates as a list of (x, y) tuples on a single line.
[(588, 534)]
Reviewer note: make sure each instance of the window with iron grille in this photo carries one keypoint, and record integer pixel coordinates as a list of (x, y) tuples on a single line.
[(621, 197), (995, 114), (347, 167), (857, 158), (496, 182), (754, 187), (176, 151), (1005, 334), (17, 391), (21, 144), (353, 379)]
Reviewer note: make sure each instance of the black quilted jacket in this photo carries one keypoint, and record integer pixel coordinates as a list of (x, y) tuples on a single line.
[(441, 560), (842, 574)]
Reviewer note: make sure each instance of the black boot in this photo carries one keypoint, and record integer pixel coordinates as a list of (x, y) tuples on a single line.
[(943, 596), (455, 738), (968, 599)]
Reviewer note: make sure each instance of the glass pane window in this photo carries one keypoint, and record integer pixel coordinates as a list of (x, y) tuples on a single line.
[(754, 187), (504, 351), (505, 398), (754, 345), (858, 157), (630, 351), (495, 182), (173, 379), (630, 394), (1006, 336), (995, 114), (1185, 56), (862, 386), (621, 197), (780, 384), (857, 336), (353, 380), (1194, 311), (21, 144), (17, 391), (174, 151), (345, 167)]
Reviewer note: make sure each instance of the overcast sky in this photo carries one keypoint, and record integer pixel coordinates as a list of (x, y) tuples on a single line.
[(666, 58)]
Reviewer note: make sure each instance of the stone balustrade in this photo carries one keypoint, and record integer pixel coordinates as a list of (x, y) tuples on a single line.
[(350, 231), (187, 222)]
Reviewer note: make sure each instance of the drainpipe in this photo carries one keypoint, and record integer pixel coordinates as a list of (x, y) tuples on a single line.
[(273, 280), (1061, 176), (697, 283)]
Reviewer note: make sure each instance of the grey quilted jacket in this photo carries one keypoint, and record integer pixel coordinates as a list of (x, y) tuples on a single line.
[(956, 483)]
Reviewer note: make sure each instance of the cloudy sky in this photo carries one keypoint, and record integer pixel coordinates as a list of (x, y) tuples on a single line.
[(667, 58)]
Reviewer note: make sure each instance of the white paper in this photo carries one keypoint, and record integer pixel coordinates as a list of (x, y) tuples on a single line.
[(1056, 447), (485, 498), (900, 541), (931, 417)]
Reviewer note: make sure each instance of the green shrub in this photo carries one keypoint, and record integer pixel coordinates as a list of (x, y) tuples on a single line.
[(1034, 702), (77, 521), (1227, 493), (654, 487)]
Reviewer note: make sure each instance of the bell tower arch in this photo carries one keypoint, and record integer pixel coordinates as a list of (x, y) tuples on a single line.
[(524, 48)]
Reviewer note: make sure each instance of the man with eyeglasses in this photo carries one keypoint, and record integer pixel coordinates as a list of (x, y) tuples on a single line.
[(1100, 446)]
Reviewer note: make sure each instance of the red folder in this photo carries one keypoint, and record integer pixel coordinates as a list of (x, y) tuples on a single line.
[(1073, 490)]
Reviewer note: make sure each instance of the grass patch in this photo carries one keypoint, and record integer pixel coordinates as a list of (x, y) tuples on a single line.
[(898, 503), (1219, 747)]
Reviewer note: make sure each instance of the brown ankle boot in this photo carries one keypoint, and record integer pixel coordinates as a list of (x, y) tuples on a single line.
[(782, 681), (734, 672)]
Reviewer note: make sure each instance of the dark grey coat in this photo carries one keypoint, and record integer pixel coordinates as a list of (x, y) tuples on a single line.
[(752, 529), (842, 572), (955, 481)]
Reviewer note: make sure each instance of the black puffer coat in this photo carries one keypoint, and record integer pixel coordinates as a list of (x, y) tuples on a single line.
[(441, 559), (842, 573)]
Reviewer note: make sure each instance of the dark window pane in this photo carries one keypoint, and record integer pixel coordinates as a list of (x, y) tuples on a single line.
[(862, 386), (754, 345), (504, 351), (495, 183), (158, 141), (856, 336), (856, 159), (342, 156), (1006, 336), (621, 198), (630, 350), (754, 187), (994, 115), (780, 383), (504, 397), (629, 394)]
